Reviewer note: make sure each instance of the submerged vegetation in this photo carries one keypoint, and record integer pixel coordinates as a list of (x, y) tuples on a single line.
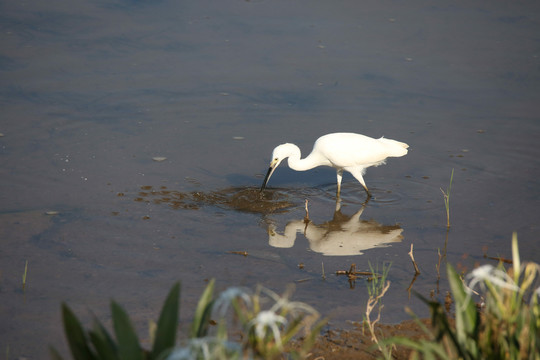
[(263, 323), (446, 197), (25, 274)]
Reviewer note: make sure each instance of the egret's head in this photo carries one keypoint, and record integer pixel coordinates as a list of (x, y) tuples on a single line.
[(281, 152)]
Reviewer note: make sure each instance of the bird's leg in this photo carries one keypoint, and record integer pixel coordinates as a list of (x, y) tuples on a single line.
[(339, 177), (357, 173), (368, 192)]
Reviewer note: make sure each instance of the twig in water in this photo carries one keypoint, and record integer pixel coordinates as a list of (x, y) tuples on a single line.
[(498, 258), (417, 271), (352, 273), (411, 285)]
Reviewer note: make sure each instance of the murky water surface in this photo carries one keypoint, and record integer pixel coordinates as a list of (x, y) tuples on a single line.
[(135, 137)]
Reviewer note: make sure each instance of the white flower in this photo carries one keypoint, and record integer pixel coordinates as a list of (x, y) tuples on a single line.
[(488, 273), (193, 350), (483, 274), (267, 320), (298, 307), (223, 302), (283, 305), (273, 295), (207, 348)]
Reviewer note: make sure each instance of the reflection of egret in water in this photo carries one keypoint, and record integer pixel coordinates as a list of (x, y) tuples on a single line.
[(343, 235), (246, 199)]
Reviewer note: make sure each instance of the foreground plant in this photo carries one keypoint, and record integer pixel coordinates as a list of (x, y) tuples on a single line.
[(507, 325), (99, 344), (377, 288), (266, 321)]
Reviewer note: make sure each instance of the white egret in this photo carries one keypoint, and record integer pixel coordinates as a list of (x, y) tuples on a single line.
[(343, 151)]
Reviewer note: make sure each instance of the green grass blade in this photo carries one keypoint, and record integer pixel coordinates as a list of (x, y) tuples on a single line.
[(428, 349), (411, 344), (128, 343), (103, 343), (77, 340), (25, 274), (467, 317), (199, 328), (168, 323), (104, 351), (55, 355), (516, 262)]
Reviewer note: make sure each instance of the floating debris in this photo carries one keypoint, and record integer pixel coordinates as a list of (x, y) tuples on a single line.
[(353, 274), (52, 212), (238, 138), (244, 253), (159, 158)]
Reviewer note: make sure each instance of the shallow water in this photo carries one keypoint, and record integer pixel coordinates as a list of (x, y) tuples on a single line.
[(92, 92)]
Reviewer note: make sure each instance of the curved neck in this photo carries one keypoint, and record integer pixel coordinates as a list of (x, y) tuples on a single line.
[(298, 164)]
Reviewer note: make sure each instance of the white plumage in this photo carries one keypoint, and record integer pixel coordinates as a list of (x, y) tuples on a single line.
[(343, 151)]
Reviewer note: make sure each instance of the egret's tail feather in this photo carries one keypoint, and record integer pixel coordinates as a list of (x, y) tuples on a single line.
[(396, 148)]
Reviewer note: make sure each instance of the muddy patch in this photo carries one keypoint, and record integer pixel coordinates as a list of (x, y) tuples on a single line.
[(244, 199), (357, 344)]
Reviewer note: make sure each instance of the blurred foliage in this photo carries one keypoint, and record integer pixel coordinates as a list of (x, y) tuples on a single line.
[(504, 325), (264, 322)]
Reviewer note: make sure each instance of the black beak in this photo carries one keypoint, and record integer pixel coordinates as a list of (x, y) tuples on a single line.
[(267, 177)]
